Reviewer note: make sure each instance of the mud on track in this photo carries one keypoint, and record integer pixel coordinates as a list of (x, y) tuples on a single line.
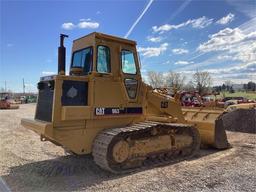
[(27, 164)]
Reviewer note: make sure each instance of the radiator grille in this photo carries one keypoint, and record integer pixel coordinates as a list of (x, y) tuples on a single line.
[(45, 101)]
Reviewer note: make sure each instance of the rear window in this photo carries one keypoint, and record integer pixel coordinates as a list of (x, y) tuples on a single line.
[(83, 59)]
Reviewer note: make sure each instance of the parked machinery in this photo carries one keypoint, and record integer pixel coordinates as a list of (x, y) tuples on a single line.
[(104, 108)]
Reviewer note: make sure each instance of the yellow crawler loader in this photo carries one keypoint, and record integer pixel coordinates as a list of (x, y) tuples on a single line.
[(104, 108)]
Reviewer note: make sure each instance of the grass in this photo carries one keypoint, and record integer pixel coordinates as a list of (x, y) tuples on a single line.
[(249, 95)]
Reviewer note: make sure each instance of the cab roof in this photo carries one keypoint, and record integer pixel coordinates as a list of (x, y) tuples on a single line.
[(97, 35)]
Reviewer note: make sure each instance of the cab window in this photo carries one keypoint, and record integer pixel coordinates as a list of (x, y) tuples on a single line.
[(131, 86), (82, 59), (103, 59), (128, 62)]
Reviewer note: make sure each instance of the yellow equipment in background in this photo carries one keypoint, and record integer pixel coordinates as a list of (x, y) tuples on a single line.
[(234, 107), (103, 107)]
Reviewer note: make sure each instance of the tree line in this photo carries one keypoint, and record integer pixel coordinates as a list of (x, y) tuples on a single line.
[(250, 86), (228, 86), (201, 81)]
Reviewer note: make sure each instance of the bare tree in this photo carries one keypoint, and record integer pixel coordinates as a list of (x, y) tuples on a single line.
[(175, 80), (228, 83), (189, 86), (156, 79), (202, 81)]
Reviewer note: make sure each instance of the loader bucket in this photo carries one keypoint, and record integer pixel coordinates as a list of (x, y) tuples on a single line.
[(210, 124)]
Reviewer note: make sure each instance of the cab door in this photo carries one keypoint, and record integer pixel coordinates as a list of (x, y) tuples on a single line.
[(130, 74), (107, 87)]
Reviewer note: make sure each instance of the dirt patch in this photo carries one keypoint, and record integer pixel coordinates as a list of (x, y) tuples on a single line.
[(27, 164)]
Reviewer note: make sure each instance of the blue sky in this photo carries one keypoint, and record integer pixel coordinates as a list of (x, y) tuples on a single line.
[(182, 36)]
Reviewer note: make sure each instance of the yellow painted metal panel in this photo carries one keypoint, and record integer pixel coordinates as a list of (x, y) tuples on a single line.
[(76, 112)]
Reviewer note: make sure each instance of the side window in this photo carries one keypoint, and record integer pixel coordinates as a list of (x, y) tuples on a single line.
[(128, 63), (103, 59)]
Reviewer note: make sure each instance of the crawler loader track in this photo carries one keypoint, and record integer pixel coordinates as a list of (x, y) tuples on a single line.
[(144, 145)]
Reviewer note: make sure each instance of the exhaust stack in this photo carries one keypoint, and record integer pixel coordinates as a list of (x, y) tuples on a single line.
[(62, 56)]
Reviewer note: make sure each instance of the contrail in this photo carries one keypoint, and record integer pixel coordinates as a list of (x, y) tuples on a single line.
[(180, 9), (138, 19)]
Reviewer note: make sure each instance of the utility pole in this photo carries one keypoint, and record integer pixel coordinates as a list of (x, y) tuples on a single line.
[(23, 86), (5, 86)]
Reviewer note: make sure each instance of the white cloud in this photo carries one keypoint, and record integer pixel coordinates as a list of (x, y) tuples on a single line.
[(198, 23), (201, 22), (249, 26), (232, 55), (234, 42), (83, 24), (227, 19), (241, 73), (220, 41), (179, 51), (224, 57), (68, 26), (98, 12), (247, 7), (88, 25), (238, 73), (153, 51), (48, 73), (154, 39), (241, 68), (89, 19), (165, 27), (183, 62)]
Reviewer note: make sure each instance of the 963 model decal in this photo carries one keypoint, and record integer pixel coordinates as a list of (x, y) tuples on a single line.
[(101, 111)]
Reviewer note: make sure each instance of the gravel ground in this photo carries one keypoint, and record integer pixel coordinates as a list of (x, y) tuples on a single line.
[(27, 164)]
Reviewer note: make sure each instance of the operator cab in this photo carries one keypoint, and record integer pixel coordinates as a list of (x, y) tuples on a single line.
[(104, 54), (107, 56)]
